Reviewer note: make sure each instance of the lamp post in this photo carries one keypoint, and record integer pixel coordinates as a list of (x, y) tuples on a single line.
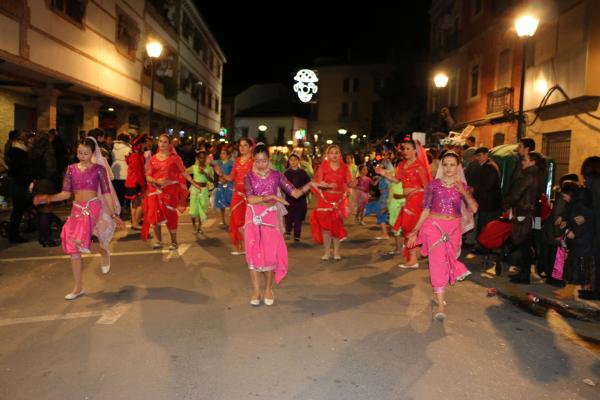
[(153, 49), (526, 27), (199, 84), (440, 81)]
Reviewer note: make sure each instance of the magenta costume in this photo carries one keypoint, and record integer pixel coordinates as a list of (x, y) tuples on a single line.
[(77, 231), (441, 238), (263, 228)]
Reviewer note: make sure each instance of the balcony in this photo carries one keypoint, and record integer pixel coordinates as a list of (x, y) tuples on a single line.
[(500, 101)]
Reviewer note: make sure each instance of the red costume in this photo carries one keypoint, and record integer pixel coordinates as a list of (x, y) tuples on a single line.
[(238, 199), (161, 203), (135, 184), (332, 204), (414, 176)]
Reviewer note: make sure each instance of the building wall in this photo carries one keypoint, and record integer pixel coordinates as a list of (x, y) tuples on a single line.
[(331, 96), (51, 49), (8, 99)]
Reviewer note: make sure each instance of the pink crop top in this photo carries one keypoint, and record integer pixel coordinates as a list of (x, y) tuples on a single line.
[(76, 179), (440, 199), (257, 186)]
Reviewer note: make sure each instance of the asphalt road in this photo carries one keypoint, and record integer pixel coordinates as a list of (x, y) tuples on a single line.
[(178, 326)]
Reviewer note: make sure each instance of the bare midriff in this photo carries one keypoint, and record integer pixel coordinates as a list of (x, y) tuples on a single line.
[(84, 195), (442, 216)]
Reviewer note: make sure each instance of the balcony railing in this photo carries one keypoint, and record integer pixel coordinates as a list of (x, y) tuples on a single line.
[(500, 101)]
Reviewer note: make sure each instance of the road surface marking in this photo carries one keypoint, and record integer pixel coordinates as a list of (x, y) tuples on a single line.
[(108, 317)]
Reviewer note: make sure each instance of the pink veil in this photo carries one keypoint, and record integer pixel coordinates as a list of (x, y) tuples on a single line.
[(105, 226), (467, 220)]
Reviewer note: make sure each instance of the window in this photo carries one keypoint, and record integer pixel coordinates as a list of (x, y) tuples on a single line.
[(355, 85), (498, 139), (281, 136), (187, 28), (211, 61), (219, 70), (198, 42), (504, 68), (453, 91), (73, 10), (344, 109), (474, 81), (354, 109), (346, 85), (209, 99), (216, 104), (203, 95), (205, 51), (128, 34)]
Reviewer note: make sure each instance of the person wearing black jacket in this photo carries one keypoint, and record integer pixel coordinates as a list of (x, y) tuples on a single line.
[(46, 180), (486, 188), (590, 170), (20, 174), (522, 200)]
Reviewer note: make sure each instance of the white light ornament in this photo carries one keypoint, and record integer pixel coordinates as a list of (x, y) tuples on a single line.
[(306, 84)]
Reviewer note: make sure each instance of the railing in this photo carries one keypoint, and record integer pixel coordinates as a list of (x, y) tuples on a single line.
[(500, 101)]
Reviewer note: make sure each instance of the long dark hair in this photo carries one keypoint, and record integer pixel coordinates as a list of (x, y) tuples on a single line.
[(260, 148), (591, 166)]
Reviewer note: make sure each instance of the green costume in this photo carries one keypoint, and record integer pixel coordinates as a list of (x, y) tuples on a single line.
[(395, 205), (199, 197)]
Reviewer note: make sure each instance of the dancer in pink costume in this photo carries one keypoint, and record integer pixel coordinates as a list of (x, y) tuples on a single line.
[(95, 209), (263, 229), (448, 210)]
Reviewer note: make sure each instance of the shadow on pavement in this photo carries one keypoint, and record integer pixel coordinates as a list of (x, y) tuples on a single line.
[(535, 350), (129, 294)]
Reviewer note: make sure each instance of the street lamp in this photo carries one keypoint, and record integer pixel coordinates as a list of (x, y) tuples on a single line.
[(526, 27), (342, 131), (262, 128), (153, 49), (199, 84), (440, 80)]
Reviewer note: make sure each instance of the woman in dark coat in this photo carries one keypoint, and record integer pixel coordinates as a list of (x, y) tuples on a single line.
[(590, 170), (46, 180)]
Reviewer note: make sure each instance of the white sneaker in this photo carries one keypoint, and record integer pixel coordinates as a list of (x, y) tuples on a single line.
[(105, 268)]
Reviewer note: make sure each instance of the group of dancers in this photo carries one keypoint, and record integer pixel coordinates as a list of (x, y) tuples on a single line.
[(266, 205)]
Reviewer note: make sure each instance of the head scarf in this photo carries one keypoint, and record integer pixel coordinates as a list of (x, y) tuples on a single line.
[(467, 220), (105, 226)]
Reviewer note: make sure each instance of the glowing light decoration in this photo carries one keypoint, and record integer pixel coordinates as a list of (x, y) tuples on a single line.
[(526, 25), (223, 132), (262, 128), (306, 84), (290, 142), (300, 134), (329, 141), (440, 80)]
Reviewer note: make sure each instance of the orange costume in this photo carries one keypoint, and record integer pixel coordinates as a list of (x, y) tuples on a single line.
[(161, 203), (238, 199), (332, 204)]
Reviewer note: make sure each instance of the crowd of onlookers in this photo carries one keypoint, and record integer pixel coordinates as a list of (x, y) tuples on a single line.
[(559, 234)]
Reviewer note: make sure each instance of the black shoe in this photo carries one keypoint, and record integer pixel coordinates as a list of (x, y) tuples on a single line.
[(520, 280), (296, 239), (50, 243), (17, 239), (589, 295), (498, 268), (554, 282)]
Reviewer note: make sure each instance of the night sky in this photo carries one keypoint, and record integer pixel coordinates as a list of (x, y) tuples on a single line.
[(266, 41)]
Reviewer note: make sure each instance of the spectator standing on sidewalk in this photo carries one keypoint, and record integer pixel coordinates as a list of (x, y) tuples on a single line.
[(47, 181), (486, 188), (578, 222), (522, 200), (20, 174), (590, 169), (121, 149)]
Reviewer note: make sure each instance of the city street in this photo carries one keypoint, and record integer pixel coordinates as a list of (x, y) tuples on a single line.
[(178, 325)]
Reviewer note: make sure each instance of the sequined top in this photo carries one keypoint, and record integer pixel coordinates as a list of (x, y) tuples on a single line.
[(258, 186), (239, 171), (413, 176), (170, 168), (75, 179), (443, 200)]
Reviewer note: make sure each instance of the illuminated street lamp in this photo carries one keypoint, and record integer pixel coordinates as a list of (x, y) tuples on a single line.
[(342, 131), (154, 49), (329, 141), (262, 128), (526, 27), (440, 80)]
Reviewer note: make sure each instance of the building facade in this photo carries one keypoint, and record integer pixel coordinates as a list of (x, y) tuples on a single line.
[(347, 100), (82, 64), (474, 42)]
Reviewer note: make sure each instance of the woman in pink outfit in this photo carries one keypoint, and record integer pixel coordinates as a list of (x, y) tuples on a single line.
[(448, 210), (95, 209), (263, 228)]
